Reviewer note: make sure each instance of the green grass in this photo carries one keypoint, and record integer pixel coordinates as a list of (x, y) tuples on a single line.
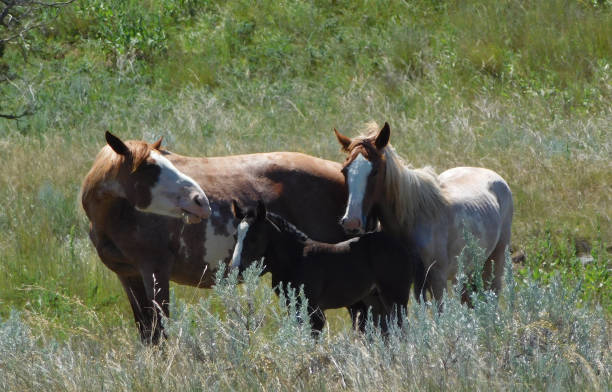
[(521, 87)]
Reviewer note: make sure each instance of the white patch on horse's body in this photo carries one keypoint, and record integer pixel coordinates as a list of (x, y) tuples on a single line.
[(243, 228), (357, 179), (172, 185), (218, 247)]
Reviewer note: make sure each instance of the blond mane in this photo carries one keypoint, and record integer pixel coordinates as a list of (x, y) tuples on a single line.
[(106, 168), (409, 193)]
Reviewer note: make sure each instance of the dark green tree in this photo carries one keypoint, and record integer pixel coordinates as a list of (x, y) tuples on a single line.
[(18, 19)]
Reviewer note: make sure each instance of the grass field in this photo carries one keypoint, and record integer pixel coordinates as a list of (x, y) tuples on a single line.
[(521, 87)]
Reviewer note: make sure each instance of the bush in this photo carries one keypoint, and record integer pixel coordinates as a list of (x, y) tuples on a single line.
[(244, 338)]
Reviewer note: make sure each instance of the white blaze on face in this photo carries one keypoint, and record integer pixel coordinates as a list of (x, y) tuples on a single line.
[(357, 180), (243, 228), (173, 191)]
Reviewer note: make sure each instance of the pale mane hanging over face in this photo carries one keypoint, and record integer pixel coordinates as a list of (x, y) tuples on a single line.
[(408, 192), (139, 173), (107, 165)]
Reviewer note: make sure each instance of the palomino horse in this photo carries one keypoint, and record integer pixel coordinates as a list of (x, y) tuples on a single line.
[(146, 251), (433, 212), (333, 275)]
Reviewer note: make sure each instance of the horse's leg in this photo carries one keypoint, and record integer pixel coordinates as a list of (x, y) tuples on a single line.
[(359, 310), (437, 279), (466, 293), (317, 320), (394, 300), (137, 295), (130, 279), (157, 285), (394, 289), (498, 259), (487, 272)]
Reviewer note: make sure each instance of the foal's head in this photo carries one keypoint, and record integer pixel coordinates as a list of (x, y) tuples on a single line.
[(152, 183), (254, 233), (364, 172)]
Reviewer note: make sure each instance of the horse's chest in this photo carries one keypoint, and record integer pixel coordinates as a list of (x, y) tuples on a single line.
[(211, 245), (219, 243)]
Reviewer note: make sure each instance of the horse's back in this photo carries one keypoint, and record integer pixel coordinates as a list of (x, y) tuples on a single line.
[(309, 191), (477, 186)]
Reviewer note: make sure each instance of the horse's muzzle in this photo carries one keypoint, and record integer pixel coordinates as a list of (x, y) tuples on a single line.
[(352, 226)]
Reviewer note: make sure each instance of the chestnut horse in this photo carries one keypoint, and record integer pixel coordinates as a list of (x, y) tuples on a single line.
[(146, 250), (431, 211)]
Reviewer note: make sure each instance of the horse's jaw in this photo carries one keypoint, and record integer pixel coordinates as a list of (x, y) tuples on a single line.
[(190, 218)]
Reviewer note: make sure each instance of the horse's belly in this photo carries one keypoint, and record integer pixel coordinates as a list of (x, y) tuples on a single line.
[(341, 294)]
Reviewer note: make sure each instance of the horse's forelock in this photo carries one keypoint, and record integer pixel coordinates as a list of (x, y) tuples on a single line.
[(366, 136), (106, 166), (139, 152), (108, 163)]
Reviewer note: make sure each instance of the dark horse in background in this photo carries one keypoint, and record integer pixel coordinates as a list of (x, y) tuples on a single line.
[(147, 250), (333, 275)]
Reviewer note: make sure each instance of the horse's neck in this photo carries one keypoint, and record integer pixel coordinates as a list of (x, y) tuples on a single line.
[(387, 218), (391, 224), (411, 196), (282, 254)]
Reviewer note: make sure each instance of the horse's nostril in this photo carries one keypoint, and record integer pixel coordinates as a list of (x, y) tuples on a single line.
[(196, 199)]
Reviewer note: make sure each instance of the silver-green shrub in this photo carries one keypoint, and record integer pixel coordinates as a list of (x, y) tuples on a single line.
[(243, 337)]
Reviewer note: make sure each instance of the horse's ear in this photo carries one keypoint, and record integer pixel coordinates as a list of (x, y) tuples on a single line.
[(116, 144), (261, 210), (345, 141), (157, 144), (383, 137), (236, 210)]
